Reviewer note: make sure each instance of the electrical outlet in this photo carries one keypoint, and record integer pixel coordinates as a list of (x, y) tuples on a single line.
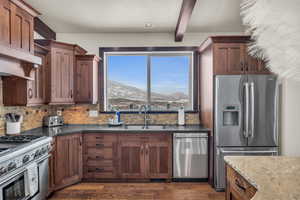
[(93, 113)]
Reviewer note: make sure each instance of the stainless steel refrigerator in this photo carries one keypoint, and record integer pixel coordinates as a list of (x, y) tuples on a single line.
[(245, 118)]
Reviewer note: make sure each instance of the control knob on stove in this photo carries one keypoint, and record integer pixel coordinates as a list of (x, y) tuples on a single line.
[(37, 153), (11, 166), (26, 158), (3, 170), (44, 150)]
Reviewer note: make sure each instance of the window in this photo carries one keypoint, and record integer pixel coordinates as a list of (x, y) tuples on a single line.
[(163, 80)]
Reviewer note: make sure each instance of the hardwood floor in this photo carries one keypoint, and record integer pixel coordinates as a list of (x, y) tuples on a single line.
[(138, 191)]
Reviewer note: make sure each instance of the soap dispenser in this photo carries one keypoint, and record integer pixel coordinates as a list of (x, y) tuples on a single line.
[(181, 116)]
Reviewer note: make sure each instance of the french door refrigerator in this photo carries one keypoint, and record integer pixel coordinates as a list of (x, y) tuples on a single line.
[(245, 119)]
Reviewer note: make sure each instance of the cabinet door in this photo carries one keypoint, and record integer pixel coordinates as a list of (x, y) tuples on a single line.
[(83, 80), (158, 159), (228, 58), (5, 22), (36, 88), (132, 159), (255, 66), (68, 160), (62, 76)]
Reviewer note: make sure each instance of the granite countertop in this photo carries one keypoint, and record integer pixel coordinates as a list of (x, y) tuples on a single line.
[(275, 178), (69, 129)]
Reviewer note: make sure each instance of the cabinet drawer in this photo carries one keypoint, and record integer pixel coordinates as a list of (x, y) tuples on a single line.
[(99, 144), (239, 184), (100, 137), (99, 163), (93, 172), (103, 153)]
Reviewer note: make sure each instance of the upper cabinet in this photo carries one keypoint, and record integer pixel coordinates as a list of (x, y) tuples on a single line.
[(16, 31), (61, 61), (86, 79), (230, 56)]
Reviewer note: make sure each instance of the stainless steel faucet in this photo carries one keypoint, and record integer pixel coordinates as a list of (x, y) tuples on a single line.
[(145, 109)]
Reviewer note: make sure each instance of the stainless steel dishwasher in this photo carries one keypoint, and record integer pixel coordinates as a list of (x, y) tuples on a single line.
[(190, 155)]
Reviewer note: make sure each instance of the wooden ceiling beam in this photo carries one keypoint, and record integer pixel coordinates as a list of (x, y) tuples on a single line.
[(184, 18)]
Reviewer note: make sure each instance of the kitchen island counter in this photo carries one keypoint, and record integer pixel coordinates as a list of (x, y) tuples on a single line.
[(275, 178)]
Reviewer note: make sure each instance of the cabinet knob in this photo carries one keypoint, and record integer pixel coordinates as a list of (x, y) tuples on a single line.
[(30, 93)]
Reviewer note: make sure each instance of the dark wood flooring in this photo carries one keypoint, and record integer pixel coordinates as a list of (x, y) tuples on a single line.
[(138, 191)]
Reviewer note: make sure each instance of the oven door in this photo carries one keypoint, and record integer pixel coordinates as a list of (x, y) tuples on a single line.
[(14, 187)]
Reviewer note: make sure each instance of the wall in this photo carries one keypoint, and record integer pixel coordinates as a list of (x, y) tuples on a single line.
[(92, 42), (290, 118)]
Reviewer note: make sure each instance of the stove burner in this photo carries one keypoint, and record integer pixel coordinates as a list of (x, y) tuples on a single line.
[(18, 138)]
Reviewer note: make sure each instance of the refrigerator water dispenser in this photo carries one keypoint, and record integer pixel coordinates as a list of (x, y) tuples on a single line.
[(231, 116)]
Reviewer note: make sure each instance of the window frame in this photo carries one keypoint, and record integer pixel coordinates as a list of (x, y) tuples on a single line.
[(149, 52)]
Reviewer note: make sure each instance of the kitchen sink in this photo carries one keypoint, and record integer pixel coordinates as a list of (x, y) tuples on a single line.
[(142, 127)]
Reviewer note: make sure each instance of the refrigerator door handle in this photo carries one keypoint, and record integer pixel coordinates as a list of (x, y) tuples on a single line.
[(246, 115), (252, 109)]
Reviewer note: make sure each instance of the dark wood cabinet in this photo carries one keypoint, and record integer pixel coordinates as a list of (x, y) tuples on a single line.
[(145, 157), (60, 71), (229, 56), (159, 159), (237, 188), (21, 92), (16, 30), (100, 156), (132, 157), (67, 160), (86, 79)]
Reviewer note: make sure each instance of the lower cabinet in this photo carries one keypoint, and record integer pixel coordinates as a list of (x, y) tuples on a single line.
[(237, 188), (100, 156), (109, 156), (67, 160), (145, 156)]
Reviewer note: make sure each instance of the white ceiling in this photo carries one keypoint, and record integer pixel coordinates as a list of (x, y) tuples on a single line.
[(98, 16)]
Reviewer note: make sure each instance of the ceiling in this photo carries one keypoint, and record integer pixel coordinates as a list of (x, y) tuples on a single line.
[(98, 16)]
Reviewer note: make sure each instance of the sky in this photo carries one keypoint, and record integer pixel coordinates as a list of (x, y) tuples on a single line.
[(168, 74)]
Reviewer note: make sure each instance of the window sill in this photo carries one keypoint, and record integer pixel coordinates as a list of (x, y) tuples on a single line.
[(150, 112)]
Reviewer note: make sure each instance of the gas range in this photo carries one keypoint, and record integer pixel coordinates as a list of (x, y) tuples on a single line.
[(18, 150), (20, 156)]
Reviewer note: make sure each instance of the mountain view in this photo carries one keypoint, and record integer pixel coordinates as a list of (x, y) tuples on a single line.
[(125, 97)]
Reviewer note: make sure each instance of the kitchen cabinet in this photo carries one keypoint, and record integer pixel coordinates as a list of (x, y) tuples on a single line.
[(100, 156), (86, 79), (16, 30), (145, 157), (132, 157), (67, 160), (60, 71), (230, 56), (237, 188), (22, 92)]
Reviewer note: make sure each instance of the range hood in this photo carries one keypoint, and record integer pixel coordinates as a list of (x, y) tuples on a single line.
[(10, 66)]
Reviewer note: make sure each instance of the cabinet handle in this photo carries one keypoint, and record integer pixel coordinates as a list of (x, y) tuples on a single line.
[(99, 145), (242, 65), (147, 150), (246, 65), (30, 93), (99, 169), (99, 137), (237, 183), (142, 150), (71, 93)]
